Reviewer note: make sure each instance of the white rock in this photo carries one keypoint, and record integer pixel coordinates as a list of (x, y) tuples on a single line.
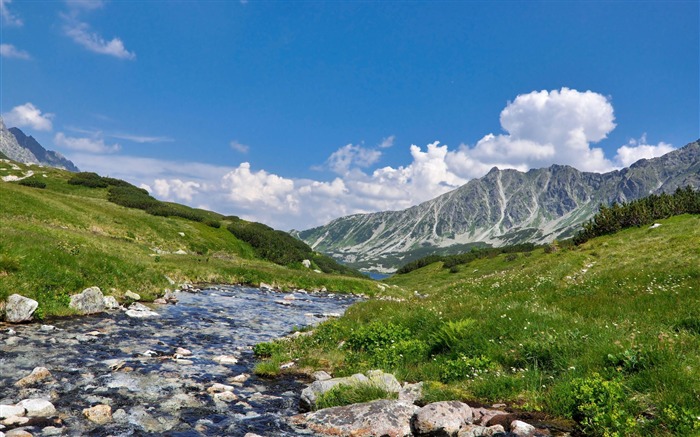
[(140, 311), (306, 263), (522, 429), (180, 252), (226, 359), (19, 309), (219, 388), (38, 407), (111, 303), (90, 301), (225, 396), (243, 377), (47, 328), (11, 410), (182, 351), (131, 295)]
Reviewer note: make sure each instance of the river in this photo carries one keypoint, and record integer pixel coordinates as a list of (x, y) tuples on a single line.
[(129, 364)]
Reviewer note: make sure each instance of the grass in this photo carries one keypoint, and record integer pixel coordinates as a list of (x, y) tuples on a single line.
[(61, 239), (605, 334), (352, 394)]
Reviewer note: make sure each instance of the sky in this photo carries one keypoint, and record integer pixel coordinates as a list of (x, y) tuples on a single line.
[(293, 113)]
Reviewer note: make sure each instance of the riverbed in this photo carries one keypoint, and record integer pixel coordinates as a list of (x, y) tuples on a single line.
[(132, 365)]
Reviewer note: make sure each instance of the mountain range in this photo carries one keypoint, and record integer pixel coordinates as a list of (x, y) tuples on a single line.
[(17, 146), (503, 207)]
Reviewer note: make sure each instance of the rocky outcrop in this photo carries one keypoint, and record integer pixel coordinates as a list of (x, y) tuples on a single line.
[(376, 378), (90, 301), (376, 418), (45, 157), (12, 149), (442, 419), (19, 309)]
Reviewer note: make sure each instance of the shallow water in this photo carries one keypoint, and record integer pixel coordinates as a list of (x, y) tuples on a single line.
[(105, 359)]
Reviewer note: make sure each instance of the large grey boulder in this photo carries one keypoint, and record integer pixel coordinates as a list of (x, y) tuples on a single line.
[(19, 309), (376, 418), (90, 301), (442, 419)]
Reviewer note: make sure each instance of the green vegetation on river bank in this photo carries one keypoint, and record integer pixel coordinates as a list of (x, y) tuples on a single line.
[(63, 238), (606, 334)]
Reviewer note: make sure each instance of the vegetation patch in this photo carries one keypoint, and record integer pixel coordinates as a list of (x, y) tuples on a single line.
[(343, 394)]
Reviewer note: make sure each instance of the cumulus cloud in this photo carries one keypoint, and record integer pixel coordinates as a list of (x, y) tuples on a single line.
[(12, 52), (8, 18), (81, 33), (352, 156), (28, 115), (635, 150), (259, 189), (239, 147), (94, 144), (175, 189)]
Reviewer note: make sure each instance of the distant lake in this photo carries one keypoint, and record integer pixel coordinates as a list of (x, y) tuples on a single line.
[(376, 276)]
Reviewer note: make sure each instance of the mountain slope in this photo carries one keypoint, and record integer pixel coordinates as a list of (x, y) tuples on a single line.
[(503, 207), (12, 149), (45, 157)]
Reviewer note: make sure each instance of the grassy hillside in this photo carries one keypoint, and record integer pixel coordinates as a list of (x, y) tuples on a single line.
[(63, 238), (606, 334)]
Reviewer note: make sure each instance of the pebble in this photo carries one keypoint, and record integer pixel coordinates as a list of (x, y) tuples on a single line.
[(226, 359), (99, 414), (38, 407), (11, 410)]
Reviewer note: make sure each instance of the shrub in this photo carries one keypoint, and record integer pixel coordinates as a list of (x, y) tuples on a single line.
[(268, 349), (8, 265), (32, 182), (88, 179), (377, 335), (679, 420), (451, 335), (212, 223), (599, 407)]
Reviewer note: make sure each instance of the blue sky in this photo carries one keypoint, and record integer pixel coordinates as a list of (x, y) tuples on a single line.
[(294, 113)]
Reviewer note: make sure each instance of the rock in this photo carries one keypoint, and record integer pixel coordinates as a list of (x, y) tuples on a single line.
[(183, 352), (289, 297), (131, 295), (139, 417), (442, 418), (250, 434), (90, 301), (264, 286), (219, 388), (180, 252), (47, 328), (51, 430), (387, 381), (11, 410), (321, 375), (655, 225), (482, 416), (306, 263), (522, 429), (410, 393), (18, 433), (376, 418), (120, 416), (38, 407), (226, 359), (19, 309), (99, 414), (170, 297), (317, 388), (15, 421), (140, 311), (37, 375), (243, 377), (111, 303), (160, 301), (225, 396), (480, 431)]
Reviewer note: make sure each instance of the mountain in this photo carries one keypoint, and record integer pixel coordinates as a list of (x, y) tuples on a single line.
[(45, 157), (504, 207), (17, 146)]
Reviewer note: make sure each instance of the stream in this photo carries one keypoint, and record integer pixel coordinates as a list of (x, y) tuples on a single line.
[(130, 364)]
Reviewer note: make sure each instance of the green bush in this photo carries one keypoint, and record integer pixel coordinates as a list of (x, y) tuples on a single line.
[(8, 265), (88, 179), (268, 349), (451, 335), (600, 407), (679, 421), (352, 394), (377, 335), (32, 182)]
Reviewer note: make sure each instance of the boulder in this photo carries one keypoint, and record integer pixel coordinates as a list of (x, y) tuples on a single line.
[(38, 407), (90, 301), (99, 414), (387, 381), (131, 295), (11, 411), (140, 311), (38, 374), (111, 303), (19, 309), (226, 359), (410, 393), (321, 375), (317, 388), (480, 431), (522, 429), (306, 263), (442, 419), (170, 297), (376, 418)]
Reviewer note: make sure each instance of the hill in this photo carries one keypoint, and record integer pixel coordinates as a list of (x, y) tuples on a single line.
[(605, 334), (61, 234), (505, 207)]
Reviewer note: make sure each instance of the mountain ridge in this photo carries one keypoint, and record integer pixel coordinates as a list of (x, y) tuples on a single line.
[(501, 208), (17, 146)]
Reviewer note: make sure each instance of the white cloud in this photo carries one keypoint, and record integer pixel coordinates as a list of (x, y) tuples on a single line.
[(175, 189), (239, 147), (8, 18), (87, 5), (90, 145), (352, 156), (28, 115), (10, 51), (387, 142), (259, 188), (82, 34), (635, 150), (141, 138)]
